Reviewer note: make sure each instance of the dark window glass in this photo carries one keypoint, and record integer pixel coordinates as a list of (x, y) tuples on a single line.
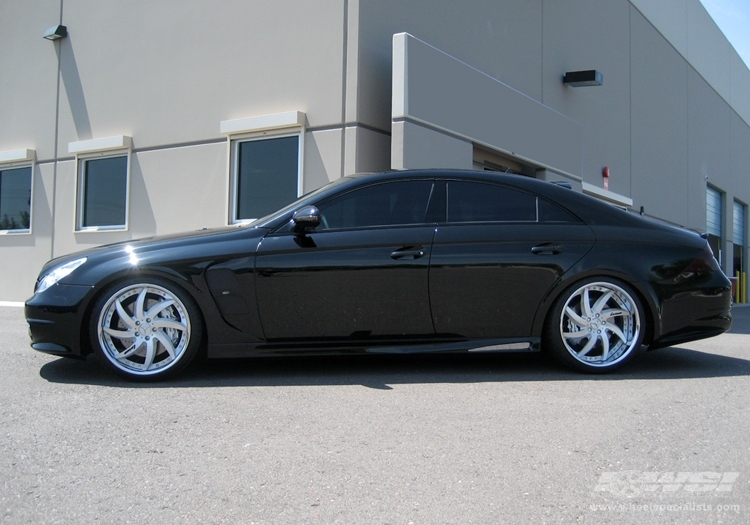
[(105, 186), (15, 199), (549, 212), (267, 175), (379, 205), (477, 202)]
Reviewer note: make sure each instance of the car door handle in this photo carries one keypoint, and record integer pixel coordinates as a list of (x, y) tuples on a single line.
[(549, 248), (409, 253)]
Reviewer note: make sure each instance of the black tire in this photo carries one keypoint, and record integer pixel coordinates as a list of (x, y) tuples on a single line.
[(146, 329), (595, 326)]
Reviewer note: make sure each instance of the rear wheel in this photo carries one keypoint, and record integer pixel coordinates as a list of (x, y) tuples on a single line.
[(146, 329), (595, 326)]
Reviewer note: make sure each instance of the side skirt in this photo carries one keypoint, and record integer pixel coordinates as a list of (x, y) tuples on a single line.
[(299, 348)]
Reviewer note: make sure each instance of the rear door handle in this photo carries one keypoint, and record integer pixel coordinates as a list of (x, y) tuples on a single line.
[(548, 248), (408, 253)]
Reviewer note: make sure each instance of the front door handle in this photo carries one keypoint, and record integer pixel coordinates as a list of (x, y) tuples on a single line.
[(408, 253), (549, 249)]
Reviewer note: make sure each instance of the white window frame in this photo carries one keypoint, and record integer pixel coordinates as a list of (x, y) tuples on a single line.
[(18, 159), (110, 147), (236, 141), (279, 125)]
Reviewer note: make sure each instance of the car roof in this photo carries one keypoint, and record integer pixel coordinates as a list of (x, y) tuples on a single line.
[(590, 210)]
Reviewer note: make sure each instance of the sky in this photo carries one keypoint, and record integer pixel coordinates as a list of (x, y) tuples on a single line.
[(733, 18)]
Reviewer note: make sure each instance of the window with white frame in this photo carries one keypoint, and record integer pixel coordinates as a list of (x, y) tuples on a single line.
[(103, 192), (266, 174), (103, 182), (15, 199)]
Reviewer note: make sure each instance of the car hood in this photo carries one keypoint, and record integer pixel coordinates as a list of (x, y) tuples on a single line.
[(191, 241)]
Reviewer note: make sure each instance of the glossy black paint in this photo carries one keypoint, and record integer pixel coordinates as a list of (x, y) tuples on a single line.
[(431, 286)]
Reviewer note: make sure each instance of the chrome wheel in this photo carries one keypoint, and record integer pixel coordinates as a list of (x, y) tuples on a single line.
[(600, 324), (595, 326), (144, 330)]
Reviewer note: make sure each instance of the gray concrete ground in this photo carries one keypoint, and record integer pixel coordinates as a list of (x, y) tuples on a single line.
[(378, 440)]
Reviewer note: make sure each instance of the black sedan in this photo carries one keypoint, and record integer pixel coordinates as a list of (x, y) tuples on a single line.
[(401, 262)]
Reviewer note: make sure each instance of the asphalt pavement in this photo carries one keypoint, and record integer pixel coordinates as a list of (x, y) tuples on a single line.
[(459, 439)]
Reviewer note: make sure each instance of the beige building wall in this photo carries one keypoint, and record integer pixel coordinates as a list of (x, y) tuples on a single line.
[(672, 116), (167, 78)]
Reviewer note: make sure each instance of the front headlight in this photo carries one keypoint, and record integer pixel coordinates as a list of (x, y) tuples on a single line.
[(58, 273)]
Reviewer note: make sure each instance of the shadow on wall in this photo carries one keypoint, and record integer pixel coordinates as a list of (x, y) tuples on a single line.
[(141, 219), (73, 88)]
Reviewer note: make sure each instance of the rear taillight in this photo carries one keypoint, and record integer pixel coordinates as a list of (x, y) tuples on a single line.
[(701, 265)]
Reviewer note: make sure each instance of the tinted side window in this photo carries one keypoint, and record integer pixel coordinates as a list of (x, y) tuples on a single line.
[(477, 202), (384, 204), (549, 212)]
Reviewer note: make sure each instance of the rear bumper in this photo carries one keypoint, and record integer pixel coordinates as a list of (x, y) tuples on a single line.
[(695, 315)]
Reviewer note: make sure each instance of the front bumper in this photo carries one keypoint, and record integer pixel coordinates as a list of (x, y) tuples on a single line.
[(56, 320)]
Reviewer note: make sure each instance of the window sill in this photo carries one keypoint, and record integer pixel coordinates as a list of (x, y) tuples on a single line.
[(99, 229)]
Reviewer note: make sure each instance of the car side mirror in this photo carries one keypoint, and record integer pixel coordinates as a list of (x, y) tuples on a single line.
[(305, 219)]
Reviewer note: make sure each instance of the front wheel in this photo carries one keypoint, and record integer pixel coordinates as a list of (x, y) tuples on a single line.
[(146, 329), (596, 326)]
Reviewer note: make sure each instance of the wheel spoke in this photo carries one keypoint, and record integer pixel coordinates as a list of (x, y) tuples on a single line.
[(576, 335), (586, 303), (615, 312), (601, 302), (576, 318), (132, 349), (140, 303), (605, 347), (616, 331), (169, 323), (158, 307), (119, 334), (589, 345), (125, 316), (150, 354), (166, 343)]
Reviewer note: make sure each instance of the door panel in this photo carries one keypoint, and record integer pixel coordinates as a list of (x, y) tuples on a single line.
[(362, 274), (487, 280), (334, 284)]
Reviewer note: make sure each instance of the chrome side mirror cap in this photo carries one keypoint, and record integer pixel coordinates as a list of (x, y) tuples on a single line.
[(305, 219)]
